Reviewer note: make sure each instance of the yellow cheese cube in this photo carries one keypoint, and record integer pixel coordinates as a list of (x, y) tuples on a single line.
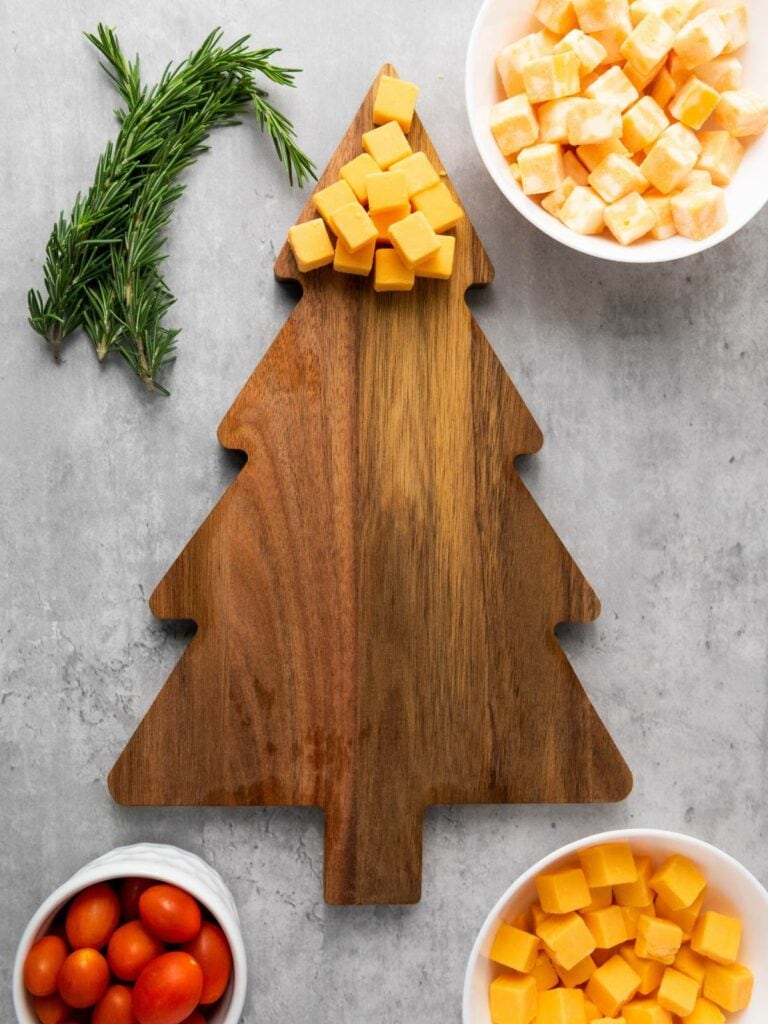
[(663, 88), (612, 985), (705, 1013), (591, 156), (512, 59), (641, 126), (612, 39), (565, 936), (633, 914), (390, 273), (678, 881), (629, 219), (642, 81), (736, 20), (384, 221), (419, 172), (439, 266), (637, 893), (556, 15), (721, 155), (650, 972), (613, 87), (543, 973), (658, 939), (439, 207), (360, 262), (582, 212), (328, 200), (590, 121), (310, 245), (607, 925), (742, 112), (512, 999), (353, 226), (386, 144), (663, 228), (552, 77), (602, 897), (670, 159), (577, 172), (694, 102), (685, 918), (677, 992), (591, 52), (577, 975), (387, 190), (356, 171), (723, 73), (395, 101), (561, 1006), (690, 963), (717, 937), (553, 119), (702, 39), (728, 985), (513, 947), (541, 167), (616, 177), (415, 241), (648, 44), (646, 1011), (514, 124), (598, 15)]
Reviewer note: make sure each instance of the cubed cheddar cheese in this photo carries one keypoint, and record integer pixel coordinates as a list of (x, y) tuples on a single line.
[(723, 73), (735, 17), (512, 59), (395, 101), (552, 77), (677, 992), (650, 972), (728, 985), (590, 51), (591, 121), (663, 88), (612, 985), (543, 972), (328, 200), (607, 926), (537, 916), (616, 177), (633, 914), (612, 39), (541, 167), (390, 273), (694, 102), (439, 207), (415, 241), (678, 881), (310, 245), (578, 975), (637, 893), (583, 212), (663, 228), (353, 226), (512, 999), (356, 171), (565, 936), (592, 1012), (717, 937), (642, 124), (648, 44), (384, 221), (562, 890), (690, 963), (359, 263), (598, 15), (685, 917), (553, 119), (387, 190), (629, 219), (721, 155), (670, 159), (419, 172), (658, 939), (646, 1011), (561, 1006), (705, 1012), (701, 39), (591, 156), (602, 897), (386, 144), (514, 948), (613, 87), (556, 15), (514, 124), (742, 112)]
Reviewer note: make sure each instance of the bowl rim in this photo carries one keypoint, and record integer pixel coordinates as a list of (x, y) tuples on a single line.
[(612, 835)]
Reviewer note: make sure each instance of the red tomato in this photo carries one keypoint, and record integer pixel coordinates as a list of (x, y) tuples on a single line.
[(130, 891), (114, 1007), (195, 1018), (168, 989), (51, 1009), (211, 950), (130, 949), (43, 963), (170, 913), (92, 917), (83, 978)]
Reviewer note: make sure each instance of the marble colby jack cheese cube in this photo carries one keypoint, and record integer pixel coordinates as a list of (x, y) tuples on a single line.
[(553, 119), (590, 51), (694, 102), (590, 121), (556, 15), (648, 44), (513, 58), (514, 124), (702, 39), (616, 177), (735, 17), (722, 73), (629, 219), (613, 87), (742, 112), (541, 168), (642, 124), (591, 156), (552, 77), (583, 211), (672, 156), (721, 155), (395, 101), (596, 15)]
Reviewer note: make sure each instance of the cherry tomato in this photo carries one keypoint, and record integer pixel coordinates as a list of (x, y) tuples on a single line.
[(211, 950), (51, 1009), (170, 913), (43, 963), (83, 978), (195, 1018), (130, 949), (168, 989), (92, 917), (130, 891), (114, 1007)]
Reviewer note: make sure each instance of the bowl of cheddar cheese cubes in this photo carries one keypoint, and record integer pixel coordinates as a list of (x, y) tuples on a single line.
[(632, 130), (637, 926)]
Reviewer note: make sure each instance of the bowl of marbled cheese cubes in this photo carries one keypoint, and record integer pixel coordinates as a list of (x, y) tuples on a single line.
[(631, 130), (637, 926)]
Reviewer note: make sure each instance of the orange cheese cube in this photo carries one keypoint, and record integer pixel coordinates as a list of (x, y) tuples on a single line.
[(384, 221), (512, 59), (360, 262), (633, 914), (356, 171), (629, 219), (583, 212), (390, 273), (690, 963), (613, 87), (646, 1011), (700, 212), (664, 88), (439, 266), (553, 118), (353, 226), (541, 168), (577, 975), (607, 925), (721, 155), (717, 937), (613, 985), (742, 112), (590, 121), (658, 939), (616, 177), (439, 207), (593, 155), (670, 159), (310, 245), (685, 918), (415, 241), (565, 936), (610, 1020), (663, 228), (702, 39), (514, 124), (386, 144), (556, 15), (637, 893), (612, 39), (552, 77), (648, 43), (728, 985), (722, 73), (387, 190), (395, 101), (512, 999), (561, 1006), (328, 200), (537, 916), (735, 17), (641, 126), (543, 973), (602, 897), (642, 81), (650, 972), (597, 15), (705, 1013), (591, 52), (694, 102), (592, 1012), (677, 992), (523, 919), (419, 172)]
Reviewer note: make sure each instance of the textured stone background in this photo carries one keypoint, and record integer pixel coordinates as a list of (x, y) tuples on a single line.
[(650, 385)]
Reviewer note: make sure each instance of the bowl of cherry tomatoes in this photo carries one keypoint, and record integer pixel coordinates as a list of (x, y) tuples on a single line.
[(146, 934)]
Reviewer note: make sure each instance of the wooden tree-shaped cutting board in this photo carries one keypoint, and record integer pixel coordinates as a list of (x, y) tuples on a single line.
[(377, 592)]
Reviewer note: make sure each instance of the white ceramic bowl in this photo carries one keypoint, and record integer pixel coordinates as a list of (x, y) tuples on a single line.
[(146, 860), (731, 889), (502, 21)]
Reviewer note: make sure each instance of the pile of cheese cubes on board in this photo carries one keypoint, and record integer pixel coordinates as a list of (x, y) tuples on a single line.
[(616, 938), (389, 210), (628, 116)]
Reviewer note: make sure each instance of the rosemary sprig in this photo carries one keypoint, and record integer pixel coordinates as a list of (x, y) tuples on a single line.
[(102, 268)]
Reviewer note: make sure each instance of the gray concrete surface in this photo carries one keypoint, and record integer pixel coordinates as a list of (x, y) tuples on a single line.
[(651, 387)]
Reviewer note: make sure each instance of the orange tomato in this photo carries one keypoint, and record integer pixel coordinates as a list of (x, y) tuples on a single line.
[(170, 913), (51, 1009), (130, 890), (92, 917), (83, 978), (114, 1007), (211, 950), (42, 965), (130, 949), (168, 989)]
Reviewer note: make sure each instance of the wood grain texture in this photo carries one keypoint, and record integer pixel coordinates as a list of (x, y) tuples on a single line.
[(376, 594)]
